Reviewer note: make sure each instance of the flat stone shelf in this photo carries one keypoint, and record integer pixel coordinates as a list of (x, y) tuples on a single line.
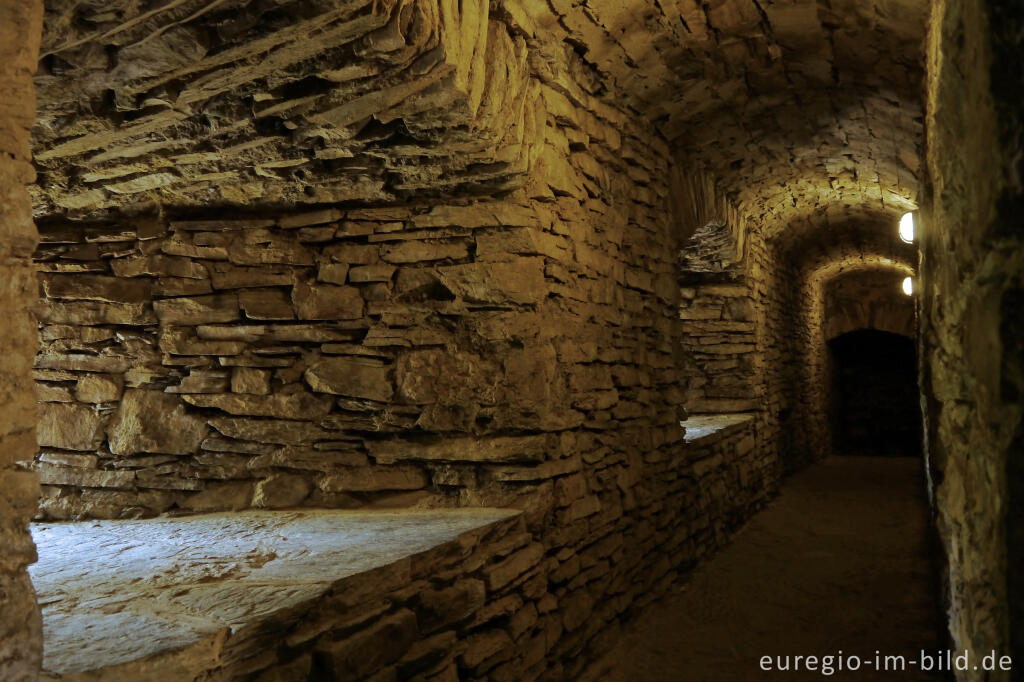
[(114, 592), (700, 427)]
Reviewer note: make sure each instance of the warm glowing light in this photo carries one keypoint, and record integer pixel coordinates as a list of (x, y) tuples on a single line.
[(908, 284), (907, 228)]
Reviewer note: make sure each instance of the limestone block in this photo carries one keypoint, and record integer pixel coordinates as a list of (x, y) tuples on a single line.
[(278, 431), (98, 388), (333, 273), (180, 286), (499, 449), (430, 376), (86, 478), (201, 381), (327, 215), (372, 648), (153, 421), (294, 405), (250, 380), (95, 288), (263, 247), (281, 490), (371, 273), (94, 313), (183, 341), (485, 645), (498, 244), (226, 276), (437, 609), (316, 234), (351, 376), (481, 214), (219, 496), (69, 426), (326, 302), (80, 362), (352, 254), (158, 265), (197, 309), (519, 281), (266, 304), (373, 479), (419, 251), (67, 459)]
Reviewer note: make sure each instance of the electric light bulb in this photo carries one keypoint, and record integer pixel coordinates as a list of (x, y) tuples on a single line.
[(908, 285), (907, 228)]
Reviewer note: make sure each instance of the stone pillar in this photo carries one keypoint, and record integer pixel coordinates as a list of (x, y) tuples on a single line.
[(20, 625), (972, 317)]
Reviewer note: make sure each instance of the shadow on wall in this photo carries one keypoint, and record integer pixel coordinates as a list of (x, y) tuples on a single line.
[(874, 406)]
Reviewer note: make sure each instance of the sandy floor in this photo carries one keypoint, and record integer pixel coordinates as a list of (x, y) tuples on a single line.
[(840, 561)]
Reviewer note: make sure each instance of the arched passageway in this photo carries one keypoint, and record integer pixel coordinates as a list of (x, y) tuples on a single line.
[(368, 257)]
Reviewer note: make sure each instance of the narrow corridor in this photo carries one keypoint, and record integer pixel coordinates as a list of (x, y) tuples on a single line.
[(840, 561)]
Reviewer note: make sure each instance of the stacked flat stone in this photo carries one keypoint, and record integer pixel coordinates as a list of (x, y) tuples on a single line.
[(287, 103)]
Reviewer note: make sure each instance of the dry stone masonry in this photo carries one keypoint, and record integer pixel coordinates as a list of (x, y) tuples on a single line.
[(399, 254), (204, 103), (514, 350)]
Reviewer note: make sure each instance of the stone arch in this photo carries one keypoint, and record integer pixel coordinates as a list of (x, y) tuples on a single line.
[(868, 299)]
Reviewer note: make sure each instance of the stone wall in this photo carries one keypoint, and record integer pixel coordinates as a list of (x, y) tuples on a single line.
[(517, 602), (971, 343), (20, 628), (717, 306), (518, 351), (425, 353), (718, 335), (607, 484)]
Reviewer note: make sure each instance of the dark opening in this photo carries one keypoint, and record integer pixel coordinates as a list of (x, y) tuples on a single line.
[(875, 407)]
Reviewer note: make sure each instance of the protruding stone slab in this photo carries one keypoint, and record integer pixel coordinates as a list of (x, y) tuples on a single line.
[(353, 377), (169, 599)]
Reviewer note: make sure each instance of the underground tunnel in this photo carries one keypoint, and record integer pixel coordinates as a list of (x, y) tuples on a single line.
[(511, 340)]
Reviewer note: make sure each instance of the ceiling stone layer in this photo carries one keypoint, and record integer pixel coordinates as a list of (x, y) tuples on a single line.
[(804, 110), (191, 102)]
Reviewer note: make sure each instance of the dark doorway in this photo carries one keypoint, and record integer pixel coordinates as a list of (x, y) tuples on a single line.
[(875, 408)]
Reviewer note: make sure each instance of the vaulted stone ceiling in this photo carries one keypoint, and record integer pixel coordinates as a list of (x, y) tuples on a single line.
[(806, 112)]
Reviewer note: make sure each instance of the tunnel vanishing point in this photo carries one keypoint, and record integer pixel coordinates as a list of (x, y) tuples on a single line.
[(440, 339)]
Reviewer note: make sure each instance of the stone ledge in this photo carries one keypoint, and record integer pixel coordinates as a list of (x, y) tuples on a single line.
[(170, 598), (704, 429)]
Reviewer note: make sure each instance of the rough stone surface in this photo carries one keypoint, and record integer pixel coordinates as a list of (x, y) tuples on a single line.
[(20, 638), (293, 91), (536, 234), (69, 426), (126, 599), (972, 340), (149, 421)]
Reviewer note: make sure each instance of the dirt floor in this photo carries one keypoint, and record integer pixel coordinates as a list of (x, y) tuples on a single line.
[(840, 561)]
